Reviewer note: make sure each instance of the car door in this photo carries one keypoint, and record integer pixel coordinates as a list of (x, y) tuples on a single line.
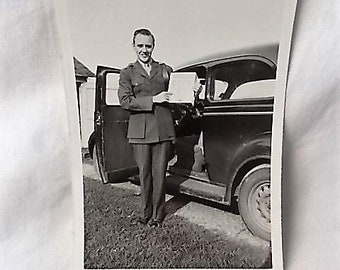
[(115, 155), (188, 128)]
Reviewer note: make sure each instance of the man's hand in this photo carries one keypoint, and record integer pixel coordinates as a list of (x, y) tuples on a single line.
[(198, 87), (161, 97)]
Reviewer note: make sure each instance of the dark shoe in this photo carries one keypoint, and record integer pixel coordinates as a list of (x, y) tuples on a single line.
[(155, 223), (142, 220)]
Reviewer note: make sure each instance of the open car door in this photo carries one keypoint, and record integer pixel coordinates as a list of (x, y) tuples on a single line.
[(114, 154)]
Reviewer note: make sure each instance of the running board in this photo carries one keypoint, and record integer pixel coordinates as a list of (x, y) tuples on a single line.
[(196, 188), (202, 176)]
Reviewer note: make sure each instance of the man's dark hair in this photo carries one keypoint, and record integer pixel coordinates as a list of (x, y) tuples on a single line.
[(145, 32)]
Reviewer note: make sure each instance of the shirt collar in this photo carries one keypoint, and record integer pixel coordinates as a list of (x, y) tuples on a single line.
[(148, 65)]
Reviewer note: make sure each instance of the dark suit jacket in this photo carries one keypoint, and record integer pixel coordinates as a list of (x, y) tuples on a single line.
[(148, 122)]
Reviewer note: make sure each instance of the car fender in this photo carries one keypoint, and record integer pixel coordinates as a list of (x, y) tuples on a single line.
[(255, 152)]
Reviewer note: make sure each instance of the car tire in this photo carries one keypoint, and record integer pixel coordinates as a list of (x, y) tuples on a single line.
[(254, 201)]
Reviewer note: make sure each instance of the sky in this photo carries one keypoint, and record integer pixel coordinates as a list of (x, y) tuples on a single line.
[(185, 30)]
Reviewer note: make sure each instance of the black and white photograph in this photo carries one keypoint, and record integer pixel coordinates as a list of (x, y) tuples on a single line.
[(176, 105), (169, 134)]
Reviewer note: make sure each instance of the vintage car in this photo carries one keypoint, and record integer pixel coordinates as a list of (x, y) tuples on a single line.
[(231, 121)]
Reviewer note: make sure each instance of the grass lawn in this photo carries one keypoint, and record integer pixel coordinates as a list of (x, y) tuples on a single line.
[(114, 240)]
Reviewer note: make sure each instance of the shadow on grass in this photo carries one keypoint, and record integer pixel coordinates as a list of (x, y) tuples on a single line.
[(180, 200), (175, 203)]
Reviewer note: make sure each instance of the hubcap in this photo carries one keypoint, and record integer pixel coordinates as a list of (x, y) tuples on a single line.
[(260, 204), (263, 201)]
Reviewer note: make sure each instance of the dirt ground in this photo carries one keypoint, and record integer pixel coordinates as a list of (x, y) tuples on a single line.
[(114, 240)]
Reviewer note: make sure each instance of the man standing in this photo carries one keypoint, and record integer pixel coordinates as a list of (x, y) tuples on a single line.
[(143, 91)]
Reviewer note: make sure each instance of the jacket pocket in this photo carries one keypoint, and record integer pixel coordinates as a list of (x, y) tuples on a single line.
[(136, 129), (137, 84)]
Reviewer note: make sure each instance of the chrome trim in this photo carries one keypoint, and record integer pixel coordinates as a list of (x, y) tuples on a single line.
[(227, 106), (235, 113)]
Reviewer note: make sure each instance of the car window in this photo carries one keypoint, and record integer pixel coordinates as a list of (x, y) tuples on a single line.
[(255, 89), (220, 87), (228, 77), (112, 84)]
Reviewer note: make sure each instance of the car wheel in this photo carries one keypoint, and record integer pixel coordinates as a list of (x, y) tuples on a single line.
[(254, 201)]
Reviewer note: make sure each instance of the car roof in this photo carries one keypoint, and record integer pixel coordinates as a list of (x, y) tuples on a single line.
[(269, 51)]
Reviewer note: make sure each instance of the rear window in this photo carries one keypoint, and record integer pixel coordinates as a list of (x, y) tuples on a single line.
[(228, 77)]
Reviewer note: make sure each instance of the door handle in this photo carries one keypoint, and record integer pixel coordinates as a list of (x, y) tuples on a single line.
[(98, 119)]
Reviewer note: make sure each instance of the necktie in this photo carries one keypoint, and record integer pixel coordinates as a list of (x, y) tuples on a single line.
[(147, 68)]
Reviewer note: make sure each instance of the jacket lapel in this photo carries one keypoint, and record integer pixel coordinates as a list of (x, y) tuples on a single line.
[(155, 68)]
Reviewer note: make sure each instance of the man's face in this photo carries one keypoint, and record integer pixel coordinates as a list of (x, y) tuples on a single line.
[(143, 47)]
